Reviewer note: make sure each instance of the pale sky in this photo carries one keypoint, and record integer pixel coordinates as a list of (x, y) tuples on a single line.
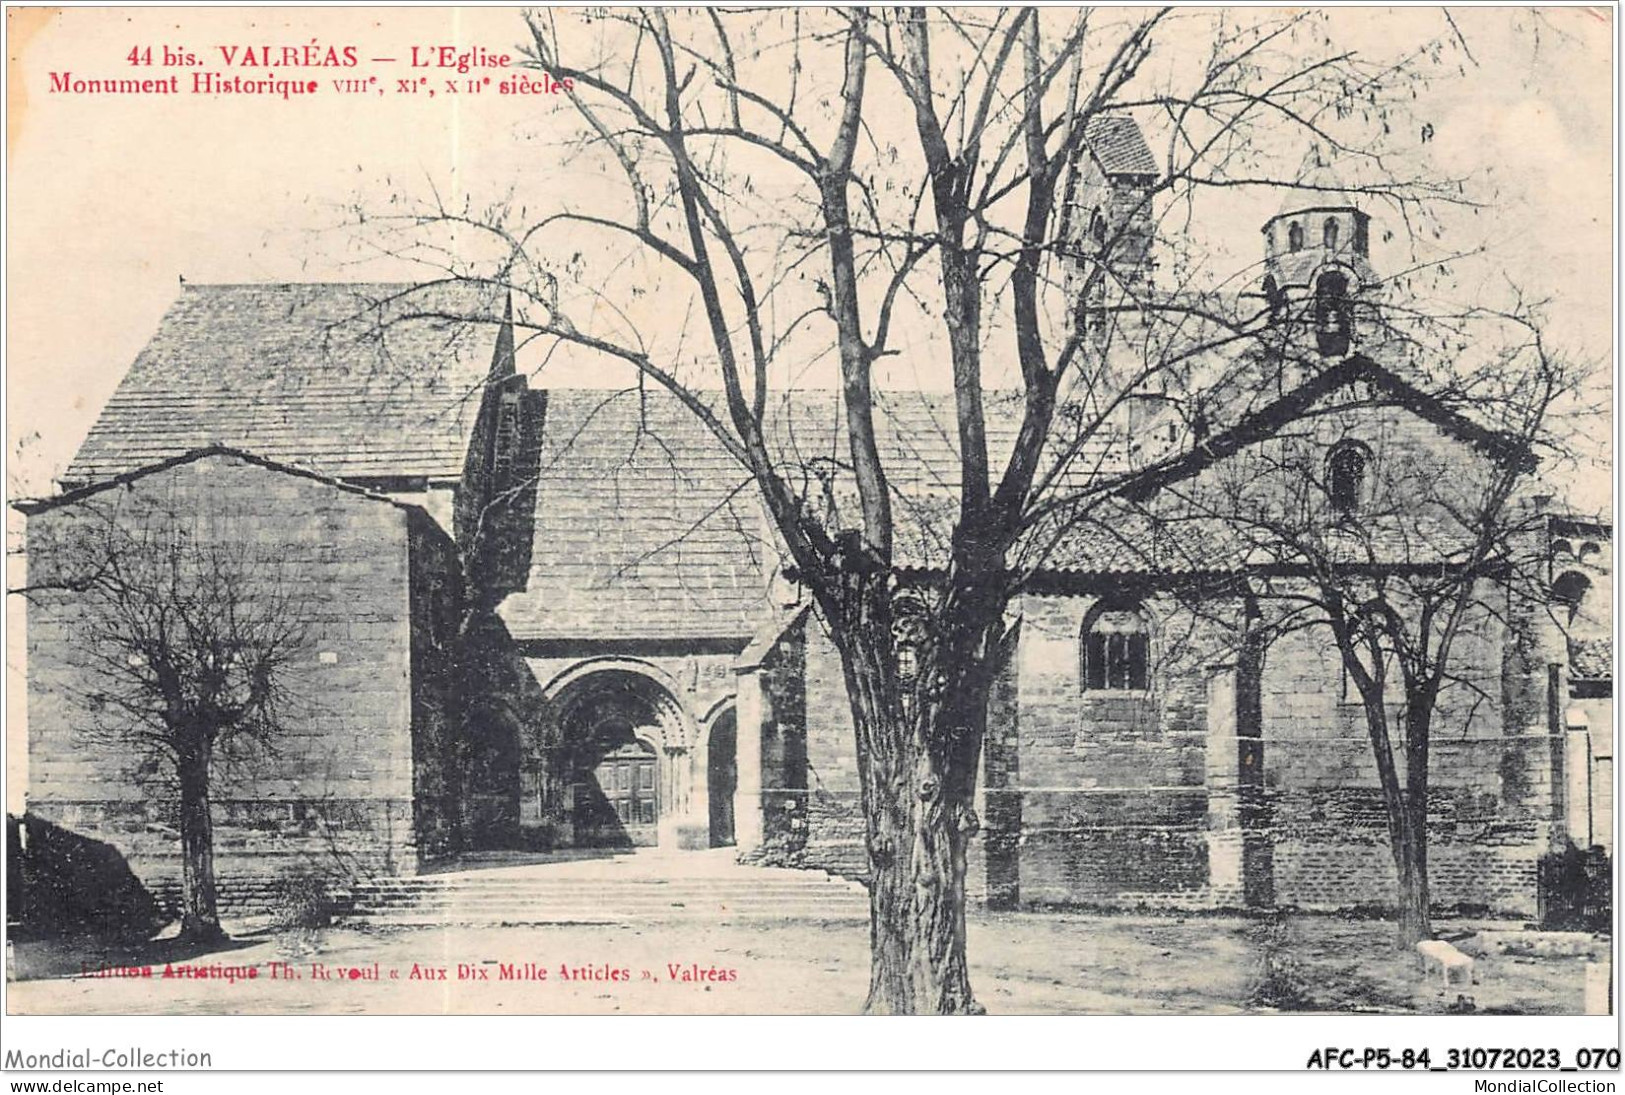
[(114, 199)]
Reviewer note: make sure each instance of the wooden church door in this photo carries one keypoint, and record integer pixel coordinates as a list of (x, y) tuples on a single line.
[(627, 779)]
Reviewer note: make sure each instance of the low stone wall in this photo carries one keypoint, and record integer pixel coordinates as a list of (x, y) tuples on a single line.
[(260, 846)]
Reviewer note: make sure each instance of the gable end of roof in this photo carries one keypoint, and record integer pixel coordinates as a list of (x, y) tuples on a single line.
[(1297, 403), (31, 506)]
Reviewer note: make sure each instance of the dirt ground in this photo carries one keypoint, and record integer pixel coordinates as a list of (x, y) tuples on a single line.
[(1028, 963)]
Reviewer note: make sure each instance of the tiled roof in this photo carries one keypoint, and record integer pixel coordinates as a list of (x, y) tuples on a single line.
[(647, 528), (1592, 659), (1119, 145), (1319, 184), (353, 380)]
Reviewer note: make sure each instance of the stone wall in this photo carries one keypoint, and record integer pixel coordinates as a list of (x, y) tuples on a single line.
[(1111, 784), (335, 795), (834, 809), (786, 773), (435, 599), (1491, 794), (1184, 796), (1580, 635), (822, 819), (1591, 736)]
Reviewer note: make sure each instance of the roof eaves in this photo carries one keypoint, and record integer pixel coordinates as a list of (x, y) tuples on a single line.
[(1571, 524), (39, 505), (1499, 446), (1295, 404), (763, 642)]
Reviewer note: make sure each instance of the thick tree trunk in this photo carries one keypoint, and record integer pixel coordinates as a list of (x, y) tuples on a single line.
[(200, 916), (1411, 859), (1407, 828), (918, 835), (1412, 855), (917, 928), (918, 766)]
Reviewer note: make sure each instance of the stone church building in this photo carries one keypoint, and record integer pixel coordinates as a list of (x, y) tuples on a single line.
[(544, 619)]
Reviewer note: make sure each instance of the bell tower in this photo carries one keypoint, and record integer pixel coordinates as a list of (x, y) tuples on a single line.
[(1317, 265), (1108, 257), (1108, 226)]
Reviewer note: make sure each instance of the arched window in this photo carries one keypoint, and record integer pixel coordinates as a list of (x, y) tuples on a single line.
[(1329, 234), (1097, 229), (1333, 317), (1276, 299), (1294, 237), (1346, 468), (1589, 552), (1116, 650), (1569, 593), (1562, 547)]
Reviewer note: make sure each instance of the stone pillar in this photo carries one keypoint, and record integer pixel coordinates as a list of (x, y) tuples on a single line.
[(1577, 767), (1252, 799), (751, 710), (1224, 837), (976, 848), (1241, 867), (699, 791), (679, 828), (1557, 750), (998, 791)]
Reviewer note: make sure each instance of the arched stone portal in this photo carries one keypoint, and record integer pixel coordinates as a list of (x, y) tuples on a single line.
[(621, 757)]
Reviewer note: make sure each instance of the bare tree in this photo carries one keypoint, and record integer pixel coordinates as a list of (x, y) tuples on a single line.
[(793, 188), (185, 636), (1413, 560)]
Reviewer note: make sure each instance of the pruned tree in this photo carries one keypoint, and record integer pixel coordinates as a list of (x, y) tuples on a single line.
[(866, 190), (1424, 562), (184, 640)]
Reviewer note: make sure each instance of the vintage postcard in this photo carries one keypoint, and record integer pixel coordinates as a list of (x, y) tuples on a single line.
[(812, 511)]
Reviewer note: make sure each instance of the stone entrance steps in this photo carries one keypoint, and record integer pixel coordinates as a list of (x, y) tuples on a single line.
[(551, 895)]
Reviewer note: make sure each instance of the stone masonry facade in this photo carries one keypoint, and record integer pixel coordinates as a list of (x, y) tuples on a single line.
[(355, 785), (557, 619), (1137, 799), (1235, 778), (1231, 779)]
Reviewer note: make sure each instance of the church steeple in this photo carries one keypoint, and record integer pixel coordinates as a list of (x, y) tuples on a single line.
[(1108, 224), (1317, 251)]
